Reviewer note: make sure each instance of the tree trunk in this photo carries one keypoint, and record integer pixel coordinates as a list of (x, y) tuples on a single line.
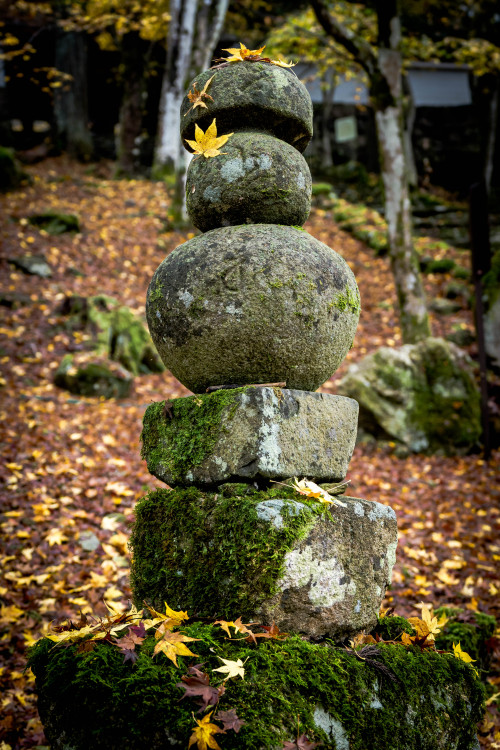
[(492, 135), (387, 101), (177, 71), (71, 101), (194, 31), (130, 122), (384, 72)]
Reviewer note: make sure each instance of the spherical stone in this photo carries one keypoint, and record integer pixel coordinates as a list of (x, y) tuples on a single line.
[(252, 96), (253, 304), (258, 179)]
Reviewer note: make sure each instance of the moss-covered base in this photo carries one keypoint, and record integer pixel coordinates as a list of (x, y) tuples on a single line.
[(395, 699)]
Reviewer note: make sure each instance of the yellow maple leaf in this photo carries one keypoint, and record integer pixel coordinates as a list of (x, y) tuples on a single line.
[(242, 54), (203, 734), (463, 656), (169, 620), (172, 645), (311, 489), (55, 536), (207, 143), (232, 668), (282, 64), (196, 97), (238, 625)]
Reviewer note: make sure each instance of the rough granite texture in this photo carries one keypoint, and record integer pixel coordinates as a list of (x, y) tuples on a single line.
[(252, 96), (253, 304), (264, 432), (321, 571), (336, 576), (258, 179), (424, 395)]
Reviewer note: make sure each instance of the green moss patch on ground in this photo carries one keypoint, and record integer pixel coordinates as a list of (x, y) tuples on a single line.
[(176, 532), (397, 699)]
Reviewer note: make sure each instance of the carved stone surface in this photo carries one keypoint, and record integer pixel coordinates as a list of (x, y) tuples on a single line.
[(256, 180), (253, 304), (260, 432), (252, 96)]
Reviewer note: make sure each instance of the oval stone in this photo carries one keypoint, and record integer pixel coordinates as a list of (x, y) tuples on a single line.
[(258, 179), (251, 96), (253, 304)]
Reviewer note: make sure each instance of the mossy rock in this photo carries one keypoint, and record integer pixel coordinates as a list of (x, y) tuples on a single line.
[(55, 223), (423, 395), (251, 96), (118, 333), (258, 179), (253, 304), (11, 174), (472, 630), (265, 554), (398, 699), (87, 375)]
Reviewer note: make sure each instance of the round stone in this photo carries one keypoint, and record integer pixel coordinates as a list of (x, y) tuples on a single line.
[(253, 304), (258, 179), (251, 96)]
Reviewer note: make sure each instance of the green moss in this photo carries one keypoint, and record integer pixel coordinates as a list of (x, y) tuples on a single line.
[(209, 551), (421, 700), (348, 301), (445, 265), (471, 630), (55, 223), (190, 430), (390, 628), (446, 418)]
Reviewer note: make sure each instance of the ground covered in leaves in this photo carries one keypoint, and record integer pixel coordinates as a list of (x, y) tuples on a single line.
[(71, 470)]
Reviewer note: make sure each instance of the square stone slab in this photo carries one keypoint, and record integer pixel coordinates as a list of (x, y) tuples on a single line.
[(250, 432)]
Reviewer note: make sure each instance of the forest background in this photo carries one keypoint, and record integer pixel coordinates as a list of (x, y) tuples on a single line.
[(86, 94)]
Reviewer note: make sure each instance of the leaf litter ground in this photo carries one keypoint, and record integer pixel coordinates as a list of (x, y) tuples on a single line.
[(71, 470)]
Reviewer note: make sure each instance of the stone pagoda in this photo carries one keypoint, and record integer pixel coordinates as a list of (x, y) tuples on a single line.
[(253, 315)]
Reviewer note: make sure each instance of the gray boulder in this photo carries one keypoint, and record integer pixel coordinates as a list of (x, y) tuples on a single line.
[(257, 304), (249, 433), (252, 96), (258, 179), (423, 395)]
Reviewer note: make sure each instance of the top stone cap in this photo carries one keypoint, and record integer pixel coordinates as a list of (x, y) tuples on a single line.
[(252, 96)]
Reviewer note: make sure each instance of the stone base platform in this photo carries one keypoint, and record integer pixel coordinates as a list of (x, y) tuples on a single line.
[(265, 556), (246, 433), (398, 699)]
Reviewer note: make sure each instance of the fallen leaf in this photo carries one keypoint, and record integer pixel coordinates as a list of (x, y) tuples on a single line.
[(172, 645), (196, 97), (203, 734), (196, 684), (229, 720), (232, 668), (207, 143)]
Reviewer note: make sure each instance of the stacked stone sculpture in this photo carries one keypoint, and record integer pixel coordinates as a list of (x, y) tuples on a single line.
[(256, 301), (260, 313)]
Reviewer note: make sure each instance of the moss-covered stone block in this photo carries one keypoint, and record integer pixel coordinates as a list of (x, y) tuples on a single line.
[(257, 180), (118, 333), (252, 96), (397, 699), (271, 555), (253, 304), (424, 395), (248, 433)]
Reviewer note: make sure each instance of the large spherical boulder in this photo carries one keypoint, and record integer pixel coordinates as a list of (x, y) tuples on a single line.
[(252, 96), (257, 304), (257, 180)]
